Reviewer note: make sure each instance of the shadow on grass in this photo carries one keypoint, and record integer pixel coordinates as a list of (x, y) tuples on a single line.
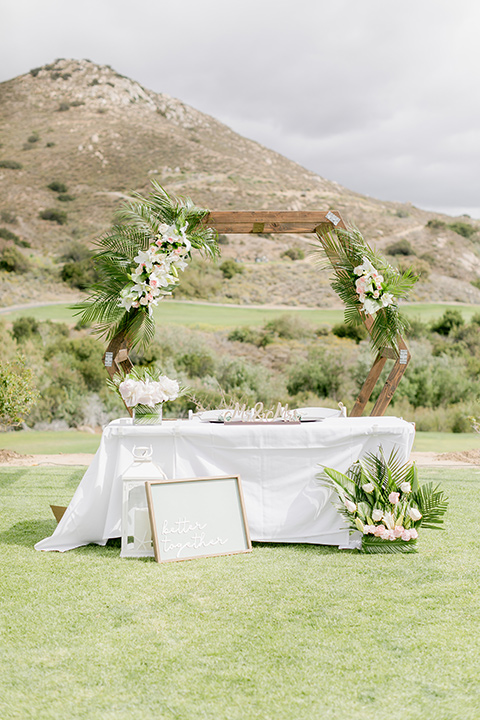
[(302, 548), (9, 476), (27, 533)]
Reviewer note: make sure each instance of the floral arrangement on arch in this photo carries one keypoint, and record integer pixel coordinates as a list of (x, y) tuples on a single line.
[(383, 500), (367, 284), (140, 260)]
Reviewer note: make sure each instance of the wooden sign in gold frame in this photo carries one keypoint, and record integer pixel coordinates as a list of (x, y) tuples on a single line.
[(197, 517)]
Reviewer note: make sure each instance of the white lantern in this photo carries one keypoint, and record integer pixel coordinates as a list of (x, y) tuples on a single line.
[(136, 530)]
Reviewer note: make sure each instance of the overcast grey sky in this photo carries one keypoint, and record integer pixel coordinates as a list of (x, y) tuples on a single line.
[(380, 95)]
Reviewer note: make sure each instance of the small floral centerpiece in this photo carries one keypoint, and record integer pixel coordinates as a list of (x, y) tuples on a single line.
[(145, 391), (383, 500)]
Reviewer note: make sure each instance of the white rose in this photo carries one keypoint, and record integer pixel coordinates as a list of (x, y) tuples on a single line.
[(169, 387), (415, 514), (351, 507), (377, 515), (368, 487), (129, 391), (405, 487)]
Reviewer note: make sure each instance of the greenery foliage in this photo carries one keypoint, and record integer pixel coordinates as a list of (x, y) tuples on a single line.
[(12, 260), (139, 224), (390, 488), (345, 250), (57, 186), (10, 164), (230, 268), (400, 247), (58, 216), (294, 253), (17, 392)]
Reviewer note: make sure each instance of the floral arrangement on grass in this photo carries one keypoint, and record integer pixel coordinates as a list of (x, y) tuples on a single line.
[(145, 390), (139, 262), (384, 501), (367, 284)]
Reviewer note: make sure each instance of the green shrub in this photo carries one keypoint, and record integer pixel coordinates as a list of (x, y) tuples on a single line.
[(57, 186), (322, 374), (34, 137), (63, 106), (475, 283), (250, 335), (79, 274), (400, 247), (402, 213), (197, 364), (7, 216), (8, 235), (289, 327), (34, 71), (58, 216), (12, 260), (25, 328), (50, 144), (77, 103), (462, 228), (294, 253), (353, 332), (223, 240), (11, 164), (230, 268), (450, 319), (200, 280), (17, 392), (65, 197), (475, 319), (436, 224)]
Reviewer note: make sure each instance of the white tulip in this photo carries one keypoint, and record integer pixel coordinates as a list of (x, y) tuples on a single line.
[(368, 487), (405, 487), (351, 507), (415, 514), (377, 515)]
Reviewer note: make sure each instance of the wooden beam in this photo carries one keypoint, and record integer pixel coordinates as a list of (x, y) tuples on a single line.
[(393, 380), (368, 385), (269, 221)]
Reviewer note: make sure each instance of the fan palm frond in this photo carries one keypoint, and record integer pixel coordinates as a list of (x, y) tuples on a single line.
[(342, 251)]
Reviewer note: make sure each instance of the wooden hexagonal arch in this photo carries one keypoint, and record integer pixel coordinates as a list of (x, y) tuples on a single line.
[(289, 222)]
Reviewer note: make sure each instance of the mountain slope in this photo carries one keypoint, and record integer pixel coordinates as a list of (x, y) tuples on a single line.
[(103, 135)]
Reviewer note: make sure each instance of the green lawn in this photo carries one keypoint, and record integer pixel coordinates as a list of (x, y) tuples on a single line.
[(71, 441), (218, 316), (288, 632)]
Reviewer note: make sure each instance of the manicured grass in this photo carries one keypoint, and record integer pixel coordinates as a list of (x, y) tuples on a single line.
[(440, 442), (71, 441), (218, 316), (49, 443), (288, 632)]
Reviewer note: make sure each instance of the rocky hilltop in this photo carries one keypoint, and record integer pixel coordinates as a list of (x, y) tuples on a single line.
[(94, 135)]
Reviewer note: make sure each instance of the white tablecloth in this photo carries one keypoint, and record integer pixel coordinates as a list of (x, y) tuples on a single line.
[(277, 465)]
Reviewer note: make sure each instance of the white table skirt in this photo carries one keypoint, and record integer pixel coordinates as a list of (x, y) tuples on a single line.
[(277, 465)]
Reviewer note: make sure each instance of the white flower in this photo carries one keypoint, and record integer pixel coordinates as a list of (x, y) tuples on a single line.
[(377, 515), (351, 507), (368, 487), (371, 306), (414, 514), (170, 388), (389, 521), (405, 487), (145, 258), (129, 390), (364, 268), (387, 299)]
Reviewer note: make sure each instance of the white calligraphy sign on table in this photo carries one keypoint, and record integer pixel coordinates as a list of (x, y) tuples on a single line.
[(197, 517)]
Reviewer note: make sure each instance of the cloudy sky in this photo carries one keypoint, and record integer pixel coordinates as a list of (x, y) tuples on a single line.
[(380, 95)]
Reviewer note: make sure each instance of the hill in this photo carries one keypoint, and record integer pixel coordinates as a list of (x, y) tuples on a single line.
[(94, 135)]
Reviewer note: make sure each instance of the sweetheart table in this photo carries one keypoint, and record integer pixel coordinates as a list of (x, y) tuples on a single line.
[(277, 464)]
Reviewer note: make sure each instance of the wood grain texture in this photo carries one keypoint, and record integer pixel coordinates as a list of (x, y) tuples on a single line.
[(269, 221)]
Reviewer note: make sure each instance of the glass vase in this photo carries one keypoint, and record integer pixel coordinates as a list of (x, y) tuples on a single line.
[(148, 415)]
